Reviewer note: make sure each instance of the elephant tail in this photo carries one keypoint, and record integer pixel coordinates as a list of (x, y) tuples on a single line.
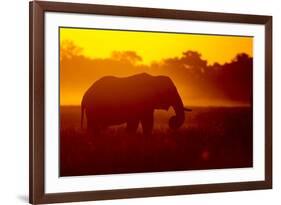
[(82, 114)]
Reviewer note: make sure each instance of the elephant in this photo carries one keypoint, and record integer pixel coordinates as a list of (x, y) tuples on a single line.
[(132, 100)]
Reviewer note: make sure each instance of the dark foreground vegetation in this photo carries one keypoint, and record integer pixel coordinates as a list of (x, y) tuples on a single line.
[(211, 138)]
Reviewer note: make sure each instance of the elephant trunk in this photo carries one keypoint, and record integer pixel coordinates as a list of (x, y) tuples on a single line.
[(176, 121)]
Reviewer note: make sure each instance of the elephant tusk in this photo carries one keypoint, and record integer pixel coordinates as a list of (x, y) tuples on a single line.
[(187, 109)]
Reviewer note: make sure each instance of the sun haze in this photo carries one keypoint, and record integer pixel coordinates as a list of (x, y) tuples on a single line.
[(208, 70), (155, 46)]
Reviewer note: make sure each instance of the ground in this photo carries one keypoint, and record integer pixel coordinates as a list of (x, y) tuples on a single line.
[(211, 138)]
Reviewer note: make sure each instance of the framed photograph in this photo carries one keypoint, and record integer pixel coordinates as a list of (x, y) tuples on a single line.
[(140, 102)]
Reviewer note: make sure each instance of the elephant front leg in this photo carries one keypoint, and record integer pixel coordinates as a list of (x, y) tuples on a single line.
[(132, 126), (147, 123)]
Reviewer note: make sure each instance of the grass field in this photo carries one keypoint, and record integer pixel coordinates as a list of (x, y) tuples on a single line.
[(211, 138)]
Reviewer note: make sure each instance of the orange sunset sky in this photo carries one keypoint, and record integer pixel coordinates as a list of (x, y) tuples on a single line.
[(152, 47)]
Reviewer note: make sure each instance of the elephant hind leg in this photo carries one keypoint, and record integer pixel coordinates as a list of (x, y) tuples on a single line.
[(132, 126), (147, 123), (93, 128)]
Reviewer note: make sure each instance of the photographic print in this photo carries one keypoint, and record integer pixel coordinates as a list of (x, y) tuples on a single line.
[(132, 102), (143, 101)]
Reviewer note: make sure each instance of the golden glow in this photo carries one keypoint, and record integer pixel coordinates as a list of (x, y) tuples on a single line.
[(93, 51), (154, 46)]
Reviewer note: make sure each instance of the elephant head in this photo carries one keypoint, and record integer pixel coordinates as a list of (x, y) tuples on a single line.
[(169, 97)]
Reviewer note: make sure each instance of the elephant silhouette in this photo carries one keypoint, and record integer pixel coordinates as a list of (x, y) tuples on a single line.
[(132, 100)]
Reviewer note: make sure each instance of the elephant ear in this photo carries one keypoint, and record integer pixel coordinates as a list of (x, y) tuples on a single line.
[(174, 123)]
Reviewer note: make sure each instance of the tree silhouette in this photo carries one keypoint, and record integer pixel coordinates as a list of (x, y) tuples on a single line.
[(128, 56), (68, 50), (193, 76)]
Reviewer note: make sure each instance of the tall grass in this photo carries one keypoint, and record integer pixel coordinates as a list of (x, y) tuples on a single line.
[(211, 138)]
